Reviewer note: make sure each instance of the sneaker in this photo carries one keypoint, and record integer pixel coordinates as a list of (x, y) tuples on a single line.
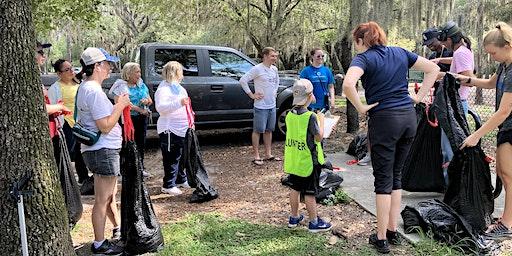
[(381, 245), (116, 234), (294, 222), (499, 232), (174, 191), (393, 237), (183, 185), (106, 248), (365, 160), (319, 226)]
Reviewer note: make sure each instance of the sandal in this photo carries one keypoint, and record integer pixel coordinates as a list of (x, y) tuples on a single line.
[(498, 231), (274, 158), (258, 162)]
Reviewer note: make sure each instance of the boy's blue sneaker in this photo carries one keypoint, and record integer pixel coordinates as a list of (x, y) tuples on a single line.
[(294, 222), (319, 226)]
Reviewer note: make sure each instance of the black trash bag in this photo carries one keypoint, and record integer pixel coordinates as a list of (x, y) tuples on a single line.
[(329, 182), (499, 184), (423, 170), (470, 190), (68, 182), (140, 230), (87, 188), (450, 114), (358, 147), (446, 225), (197, 176)]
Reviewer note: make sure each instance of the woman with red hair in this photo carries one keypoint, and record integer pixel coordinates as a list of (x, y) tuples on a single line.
[(383, 72)]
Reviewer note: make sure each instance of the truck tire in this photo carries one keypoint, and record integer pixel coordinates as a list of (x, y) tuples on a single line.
[(280, 131)]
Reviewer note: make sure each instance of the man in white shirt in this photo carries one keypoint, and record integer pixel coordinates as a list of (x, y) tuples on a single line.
[(266, 82)]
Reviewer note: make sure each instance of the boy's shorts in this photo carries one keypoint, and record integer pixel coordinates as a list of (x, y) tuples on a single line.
[(306, 185), (264, 120)]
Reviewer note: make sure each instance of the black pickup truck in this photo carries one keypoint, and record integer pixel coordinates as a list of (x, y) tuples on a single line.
[(211, 79)]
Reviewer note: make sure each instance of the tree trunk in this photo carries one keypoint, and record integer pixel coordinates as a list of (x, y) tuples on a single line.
[(26, 143), (358, 14)]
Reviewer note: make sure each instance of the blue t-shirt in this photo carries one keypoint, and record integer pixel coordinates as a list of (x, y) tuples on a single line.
[(137, 93), (385, 76), (321, 78)]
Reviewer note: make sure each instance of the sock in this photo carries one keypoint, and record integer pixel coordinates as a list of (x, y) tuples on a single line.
[(314, 222), (98, 244)]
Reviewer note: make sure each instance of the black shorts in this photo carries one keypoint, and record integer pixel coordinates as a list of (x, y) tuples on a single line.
[(504, 137), (306, 185)]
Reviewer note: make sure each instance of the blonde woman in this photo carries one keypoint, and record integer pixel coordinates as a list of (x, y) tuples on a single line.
[(170, 101), (498, 43), (140, 99)]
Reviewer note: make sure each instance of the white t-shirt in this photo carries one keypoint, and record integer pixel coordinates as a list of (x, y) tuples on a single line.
[(266, 81), (173, 115), (92, 104)]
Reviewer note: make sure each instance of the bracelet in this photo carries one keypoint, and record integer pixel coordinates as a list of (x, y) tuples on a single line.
[(468, 81)]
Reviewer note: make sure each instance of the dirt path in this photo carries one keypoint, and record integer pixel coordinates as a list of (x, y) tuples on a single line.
[(248, 192)]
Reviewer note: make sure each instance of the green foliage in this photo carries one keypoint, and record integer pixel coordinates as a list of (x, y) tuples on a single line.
[(211, 234), (339, 197), (54, 14), (428, 246)]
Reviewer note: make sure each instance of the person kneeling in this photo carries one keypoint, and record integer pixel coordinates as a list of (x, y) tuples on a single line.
[(304, 155)]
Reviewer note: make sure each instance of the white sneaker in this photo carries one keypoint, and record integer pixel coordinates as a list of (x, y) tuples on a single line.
[(174, 191), (183, 185), (365, 160)]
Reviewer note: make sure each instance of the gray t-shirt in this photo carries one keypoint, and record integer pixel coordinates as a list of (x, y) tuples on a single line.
[(92, 104), (266, 81), (313, 129), (504, 84)]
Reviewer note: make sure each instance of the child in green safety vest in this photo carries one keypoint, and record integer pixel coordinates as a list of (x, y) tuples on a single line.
[(304, 155)]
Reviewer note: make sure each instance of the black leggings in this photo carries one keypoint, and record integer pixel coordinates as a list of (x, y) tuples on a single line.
[(391, 133)]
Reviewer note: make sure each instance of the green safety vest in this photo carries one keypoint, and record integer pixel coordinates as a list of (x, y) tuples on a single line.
[(298, 159)]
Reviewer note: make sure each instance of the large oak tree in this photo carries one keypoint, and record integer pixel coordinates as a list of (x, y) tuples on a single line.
[(25, 142)]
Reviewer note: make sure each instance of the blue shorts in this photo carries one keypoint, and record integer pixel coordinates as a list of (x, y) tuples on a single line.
[(103, 161), (264, 120)]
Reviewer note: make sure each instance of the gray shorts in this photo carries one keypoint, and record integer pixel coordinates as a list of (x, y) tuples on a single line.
[(264, 120), (103, 161)]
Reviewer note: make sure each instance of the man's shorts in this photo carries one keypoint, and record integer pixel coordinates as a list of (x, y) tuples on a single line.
[(264, 120), (103, 161)]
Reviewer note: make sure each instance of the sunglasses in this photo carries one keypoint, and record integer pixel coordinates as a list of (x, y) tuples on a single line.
[(40, 52), (319, 56)]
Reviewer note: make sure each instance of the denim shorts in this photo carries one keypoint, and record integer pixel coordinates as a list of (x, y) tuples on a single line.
[(264, 120), (103, 161)]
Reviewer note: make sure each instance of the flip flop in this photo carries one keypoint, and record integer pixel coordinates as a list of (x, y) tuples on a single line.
[(274, 158), (258, 162)]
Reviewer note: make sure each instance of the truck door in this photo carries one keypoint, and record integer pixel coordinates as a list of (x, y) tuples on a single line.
[(230, 99)]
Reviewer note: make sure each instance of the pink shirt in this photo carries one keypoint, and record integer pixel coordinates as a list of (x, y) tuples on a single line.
[(463, 60)]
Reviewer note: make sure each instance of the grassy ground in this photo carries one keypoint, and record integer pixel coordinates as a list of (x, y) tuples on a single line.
[(212, 234)]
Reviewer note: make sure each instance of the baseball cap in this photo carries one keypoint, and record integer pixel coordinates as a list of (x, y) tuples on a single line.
[(302, 88), (93, 55), (40, 45), (429, 36)]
